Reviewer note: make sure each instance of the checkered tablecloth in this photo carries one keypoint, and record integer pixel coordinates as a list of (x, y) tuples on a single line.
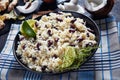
[(104, 65)]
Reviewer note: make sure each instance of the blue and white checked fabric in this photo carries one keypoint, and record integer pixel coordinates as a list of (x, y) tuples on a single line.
[(104, 65)]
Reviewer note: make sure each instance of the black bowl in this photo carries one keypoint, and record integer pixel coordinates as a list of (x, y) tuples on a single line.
[(89, 23)]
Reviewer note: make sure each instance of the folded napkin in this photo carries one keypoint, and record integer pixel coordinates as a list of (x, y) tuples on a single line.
[(104, 65)]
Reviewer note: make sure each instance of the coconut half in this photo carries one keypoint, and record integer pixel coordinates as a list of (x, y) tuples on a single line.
[(99, 8), (29, 7)]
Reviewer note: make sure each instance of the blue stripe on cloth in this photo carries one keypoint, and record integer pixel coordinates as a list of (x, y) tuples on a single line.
[(109, 33), (86, 75), (101, 52), (60, 76), (24, 76), (26, 72), (110, 19), (68, 75), (32, 76), (37, 77), (108, 49), (29, 76), (118, 30)]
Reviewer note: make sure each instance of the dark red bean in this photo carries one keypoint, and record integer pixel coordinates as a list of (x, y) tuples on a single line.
[(49, 32), (43, 68), (34, 58), (88, 35), (39, 34), (55, 28), (55, 56), (72, 21), (80, 40), (50, 42), (72, 45), (38, 46), (49, 49), (72, 30), (45, 26), (23, 47), (72, 26), (58, 19)]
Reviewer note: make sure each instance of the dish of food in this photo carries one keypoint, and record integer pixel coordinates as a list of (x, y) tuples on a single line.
[(63, 41)]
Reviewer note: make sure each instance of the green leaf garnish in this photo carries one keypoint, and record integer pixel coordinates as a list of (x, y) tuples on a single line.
[(27, 30)]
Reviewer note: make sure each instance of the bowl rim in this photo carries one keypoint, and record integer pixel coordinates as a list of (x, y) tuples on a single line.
[(53, 73)]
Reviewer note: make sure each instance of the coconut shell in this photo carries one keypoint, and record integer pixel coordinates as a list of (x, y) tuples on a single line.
[(103, 12)]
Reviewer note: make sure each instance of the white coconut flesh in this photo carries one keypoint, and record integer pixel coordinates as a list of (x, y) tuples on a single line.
[(94, 5), (34, 6), (72, 6)]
